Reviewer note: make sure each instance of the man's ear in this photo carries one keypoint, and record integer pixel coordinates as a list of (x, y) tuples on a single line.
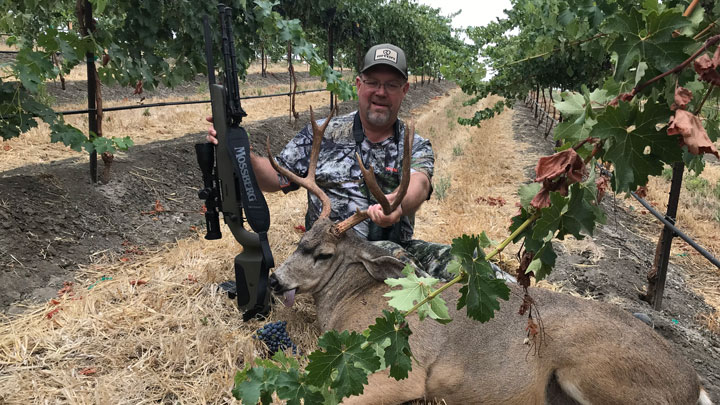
[(382, 267)]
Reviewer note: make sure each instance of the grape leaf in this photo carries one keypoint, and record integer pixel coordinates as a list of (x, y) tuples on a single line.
[(713, 129), (647, 38), (581, 214), (482, 293), (527, 192), (572, 106), (694, 163), (68, 135), (551, 217), (543, 261), (293, 387), (255, 384), (398, 355), (467, 247), (482, 290), (343, 354), (628, 132), (415, 289)]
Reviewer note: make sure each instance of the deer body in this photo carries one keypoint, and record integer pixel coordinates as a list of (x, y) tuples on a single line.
[(592, 353)]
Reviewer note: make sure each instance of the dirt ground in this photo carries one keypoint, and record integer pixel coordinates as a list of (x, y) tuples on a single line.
[(612, 266), (54, 220)]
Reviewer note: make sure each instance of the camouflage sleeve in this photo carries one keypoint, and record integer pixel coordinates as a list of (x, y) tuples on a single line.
[(423, 159), (295, 157)]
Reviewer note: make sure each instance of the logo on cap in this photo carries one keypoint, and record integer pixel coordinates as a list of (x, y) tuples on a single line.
[(386, 54)]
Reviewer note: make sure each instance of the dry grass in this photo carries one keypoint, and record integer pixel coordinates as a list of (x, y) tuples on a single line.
[(174, 338), (467, 160)]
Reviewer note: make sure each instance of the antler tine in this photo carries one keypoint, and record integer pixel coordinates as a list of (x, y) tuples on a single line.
[(407, 162), (318, 133), (308, 182), (372, 184), (374, 188)]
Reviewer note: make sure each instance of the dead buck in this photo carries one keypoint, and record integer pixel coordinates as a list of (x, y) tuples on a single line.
[(594, 353)]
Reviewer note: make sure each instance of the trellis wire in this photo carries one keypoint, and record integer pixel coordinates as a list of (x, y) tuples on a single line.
[(169, 103)]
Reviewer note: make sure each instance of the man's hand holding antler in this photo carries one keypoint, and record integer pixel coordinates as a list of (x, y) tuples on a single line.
[(376, 214)]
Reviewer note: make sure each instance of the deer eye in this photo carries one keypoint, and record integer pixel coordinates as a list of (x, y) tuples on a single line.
[(322, 256)]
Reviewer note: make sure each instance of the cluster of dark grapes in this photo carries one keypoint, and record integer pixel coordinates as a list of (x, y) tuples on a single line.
[(275, 337)]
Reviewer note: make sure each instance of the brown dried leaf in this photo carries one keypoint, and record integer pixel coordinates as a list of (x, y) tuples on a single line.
[(641, 191), (541, 199), (706, 67), (138, 87), (523, 278), (567, 162), (693, 133), (683, 97), (557, 172)]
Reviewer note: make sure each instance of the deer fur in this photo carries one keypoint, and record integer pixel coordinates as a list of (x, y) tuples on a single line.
[(592, 353)]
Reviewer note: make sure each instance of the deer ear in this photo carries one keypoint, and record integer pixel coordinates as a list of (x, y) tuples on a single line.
[(382, 267)]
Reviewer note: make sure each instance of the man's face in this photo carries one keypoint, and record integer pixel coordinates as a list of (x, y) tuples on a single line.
[(380, 93)]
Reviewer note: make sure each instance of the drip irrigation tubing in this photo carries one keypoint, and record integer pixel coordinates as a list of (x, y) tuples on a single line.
[(662, 218), (164, 104), (676, 231), (10, 52)]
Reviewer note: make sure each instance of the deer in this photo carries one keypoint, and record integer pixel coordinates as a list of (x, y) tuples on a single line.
[(593, 353)]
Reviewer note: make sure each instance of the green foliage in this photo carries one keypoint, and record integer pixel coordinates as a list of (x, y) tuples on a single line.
[(414, 290), (441, 186), (645, 35), (344, 360), (629, 133), (697, 185), (667, 173), (148, 42), (483, 290), (393, 332)]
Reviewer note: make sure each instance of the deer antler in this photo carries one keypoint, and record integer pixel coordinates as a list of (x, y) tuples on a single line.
[(309, 180), (374, 188)]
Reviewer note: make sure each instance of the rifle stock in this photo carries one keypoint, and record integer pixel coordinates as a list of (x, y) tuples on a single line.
[(230, 185)]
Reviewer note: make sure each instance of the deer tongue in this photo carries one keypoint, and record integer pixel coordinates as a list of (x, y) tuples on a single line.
[(289, 298)]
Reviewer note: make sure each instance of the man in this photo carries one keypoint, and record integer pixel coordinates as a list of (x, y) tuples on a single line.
[(376, 133)]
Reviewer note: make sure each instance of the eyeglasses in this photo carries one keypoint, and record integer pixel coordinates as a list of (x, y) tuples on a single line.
[(393, 87)]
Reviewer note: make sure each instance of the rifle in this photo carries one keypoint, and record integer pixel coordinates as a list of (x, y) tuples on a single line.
[(229, 181)]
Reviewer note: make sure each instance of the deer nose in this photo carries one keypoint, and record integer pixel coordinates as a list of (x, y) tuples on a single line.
[(274, 283)]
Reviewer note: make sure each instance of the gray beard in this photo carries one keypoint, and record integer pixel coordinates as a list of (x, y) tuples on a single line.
[(378, 119)]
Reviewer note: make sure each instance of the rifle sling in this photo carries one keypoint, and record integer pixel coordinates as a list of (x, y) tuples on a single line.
[(253, 201)]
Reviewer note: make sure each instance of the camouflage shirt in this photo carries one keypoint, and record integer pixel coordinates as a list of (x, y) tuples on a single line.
[(338, 173)]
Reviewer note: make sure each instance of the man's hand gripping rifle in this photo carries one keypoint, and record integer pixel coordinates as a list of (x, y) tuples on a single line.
[(230, 186)]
